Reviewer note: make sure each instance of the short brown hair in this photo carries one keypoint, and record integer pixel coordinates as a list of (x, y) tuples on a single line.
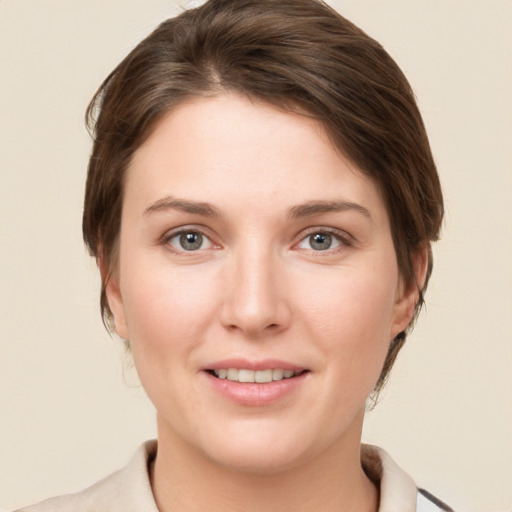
[(299, 55)]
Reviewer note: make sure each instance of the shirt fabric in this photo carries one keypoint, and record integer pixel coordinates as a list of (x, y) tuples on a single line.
[(129, 489)]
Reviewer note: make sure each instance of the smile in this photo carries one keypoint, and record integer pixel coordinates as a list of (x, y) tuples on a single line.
[(258, 376), (256, 383)]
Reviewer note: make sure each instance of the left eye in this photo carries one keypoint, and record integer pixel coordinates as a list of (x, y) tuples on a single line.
[(189, 241), (320, 241)]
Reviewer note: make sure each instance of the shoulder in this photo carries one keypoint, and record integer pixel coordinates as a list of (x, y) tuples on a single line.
[(127, 490), (398, 492), (429, 503)]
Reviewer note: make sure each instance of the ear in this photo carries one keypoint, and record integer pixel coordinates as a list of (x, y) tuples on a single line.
[(110, 281), (408, 294)]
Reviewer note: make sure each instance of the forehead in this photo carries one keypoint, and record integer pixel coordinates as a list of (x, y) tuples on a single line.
[(230, 149)]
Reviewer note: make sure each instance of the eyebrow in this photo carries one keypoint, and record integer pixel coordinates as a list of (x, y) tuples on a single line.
[(307, 209), (318, 207), (171, 203)]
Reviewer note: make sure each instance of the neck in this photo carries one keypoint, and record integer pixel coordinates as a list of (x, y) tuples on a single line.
[(185, 480)]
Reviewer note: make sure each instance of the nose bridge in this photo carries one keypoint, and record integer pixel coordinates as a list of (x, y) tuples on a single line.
[(255, 301)]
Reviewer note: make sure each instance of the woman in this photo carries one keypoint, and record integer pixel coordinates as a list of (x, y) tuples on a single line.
[(261, 200)]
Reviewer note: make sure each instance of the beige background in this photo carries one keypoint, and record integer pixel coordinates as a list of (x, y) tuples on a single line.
[(66, 415)]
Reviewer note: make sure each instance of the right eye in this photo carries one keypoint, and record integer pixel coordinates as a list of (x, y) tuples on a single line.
[(189, 241)]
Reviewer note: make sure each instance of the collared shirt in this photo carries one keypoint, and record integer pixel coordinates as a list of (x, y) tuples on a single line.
[(129, 489)]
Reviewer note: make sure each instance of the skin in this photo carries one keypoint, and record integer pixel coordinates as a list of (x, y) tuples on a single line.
[(256, 289)]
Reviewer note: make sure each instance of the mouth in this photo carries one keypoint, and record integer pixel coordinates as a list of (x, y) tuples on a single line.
[(256, 383), (255, 376)]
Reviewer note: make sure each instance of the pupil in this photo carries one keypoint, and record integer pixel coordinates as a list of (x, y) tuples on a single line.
[(321, 241), (191, 241)]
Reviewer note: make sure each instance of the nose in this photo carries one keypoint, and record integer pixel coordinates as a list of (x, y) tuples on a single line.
[(255, 302)]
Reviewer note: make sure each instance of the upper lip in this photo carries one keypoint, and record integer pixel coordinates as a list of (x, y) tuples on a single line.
[(261, 364)]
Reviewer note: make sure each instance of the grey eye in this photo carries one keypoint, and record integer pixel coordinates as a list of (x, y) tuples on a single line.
[(190, 241), (320, 241)]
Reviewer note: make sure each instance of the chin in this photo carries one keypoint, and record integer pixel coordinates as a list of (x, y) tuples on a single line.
[(257, 459), (260, 448)]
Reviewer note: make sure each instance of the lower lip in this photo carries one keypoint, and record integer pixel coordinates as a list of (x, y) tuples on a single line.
[(256, 394)]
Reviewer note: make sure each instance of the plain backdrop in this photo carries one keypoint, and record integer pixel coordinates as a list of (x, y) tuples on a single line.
[(71, 409)]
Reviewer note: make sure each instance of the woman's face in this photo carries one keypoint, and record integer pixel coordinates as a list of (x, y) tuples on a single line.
[(250, 249)]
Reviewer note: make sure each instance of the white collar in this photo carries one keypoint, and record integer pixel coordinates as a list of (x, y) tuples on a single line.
[(129, 489)]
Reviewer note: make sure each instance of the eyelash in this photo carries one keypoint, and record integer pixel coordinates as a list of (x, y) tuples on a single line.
[(343, 238), (166, 240)]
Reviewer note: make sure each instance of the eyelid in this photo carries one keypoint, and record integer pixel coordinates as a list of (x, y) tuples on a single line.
[(343, 237), (173, 233)]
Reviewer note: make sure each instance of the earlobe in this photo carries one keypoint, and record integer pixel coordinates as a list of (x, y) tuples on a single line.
[(409, 294), (115, 300)]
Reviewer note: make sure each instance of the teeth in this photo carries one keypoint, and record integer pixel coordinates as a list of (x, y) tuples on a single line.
[(277, 374), (232, 374), (263, 376), (245, 376), (259, 376)]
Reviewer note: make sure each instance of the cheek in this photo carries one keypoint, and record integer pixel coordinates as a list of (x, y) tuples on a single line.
[(350, 316), (167, 310), (168, 313), (351, 305)]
